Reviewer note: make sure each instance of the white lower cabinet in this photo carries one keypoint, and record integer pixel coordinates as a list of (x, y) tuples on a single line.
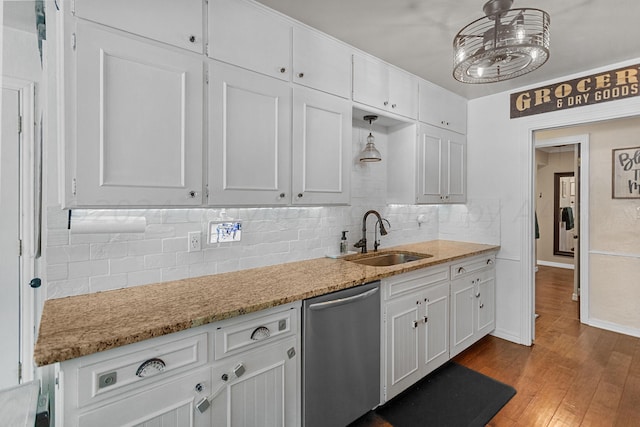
[(416, 327), (257, 388), (243, 371), (171, 404), (473, 308)]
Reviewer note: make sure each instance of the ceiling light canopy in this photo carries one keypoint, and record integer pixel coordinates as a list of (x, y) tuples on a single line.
[(504, 44)]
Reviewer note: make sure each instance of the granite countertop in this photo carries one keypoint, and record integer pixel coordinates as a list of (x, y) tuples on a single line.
[(81, 325)]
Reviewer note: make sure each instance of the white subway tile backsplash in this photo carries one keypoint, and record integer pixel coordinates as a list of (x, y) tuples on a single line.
[(126, 264), (88, 268), (174, 244), (108, 282), (163, 260), (145, 247), (146, 277), (108, 250)]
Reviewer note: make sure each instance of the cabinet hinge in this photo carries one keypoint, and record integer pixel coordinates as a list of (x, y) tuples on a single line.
[(73, 7), (19, 247), (19, 372), (19, 124), (73, 41), (74, 186), (206, 77)]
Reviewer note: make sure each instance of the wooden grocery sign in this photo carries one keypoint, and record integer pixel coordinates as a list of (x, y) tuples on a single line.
[(601, 87)]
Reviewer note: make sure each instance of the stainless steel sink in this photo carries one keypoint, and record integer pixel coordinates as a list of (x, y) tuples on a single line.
[(389, 258)]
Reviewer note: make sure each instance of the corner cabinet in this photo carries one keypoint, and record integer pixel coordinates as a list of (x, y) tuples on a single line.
[(442, 108), (240, 371), (442, 166), (133, 120)]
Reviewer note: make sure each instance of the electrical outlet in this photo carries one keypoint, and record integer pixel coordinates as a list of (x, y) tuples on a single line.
[(195, 241)]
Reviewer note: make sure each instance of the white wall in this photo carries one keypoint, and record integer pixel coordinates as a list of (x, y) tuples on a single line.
[(501, 158)]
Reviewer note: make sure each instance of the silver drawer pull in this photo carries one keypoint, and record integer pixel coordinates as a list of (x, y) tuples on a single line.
[(151, 367), (260, 333), (489, 261), (461, 270)]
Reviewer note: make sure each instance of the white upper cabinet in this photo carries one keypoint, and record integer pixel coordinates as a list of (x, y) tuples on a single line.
[(244, 34), (441, 166), (442, 108), (249, 137), (134, 121), (178, 23), (384, 87), (321, 63), (321, 148)]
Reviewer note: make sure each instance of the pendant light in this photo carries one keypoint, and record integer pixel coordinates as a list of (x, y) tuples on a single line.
[(504, 44), (370, 152)]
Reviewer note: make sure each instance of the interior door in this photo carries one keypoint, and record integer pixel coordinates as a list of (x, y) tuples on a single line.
[(576, 229), (9, 244)]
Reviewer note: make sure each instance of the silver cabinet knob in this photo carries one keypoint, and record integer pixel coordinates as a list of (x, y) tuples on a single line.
[(283, 70), (199, 387), (281, 196), (299, 196), (386, 103), (393, 105), (301, 75), (192, 39), (489, 261), (192, 194)]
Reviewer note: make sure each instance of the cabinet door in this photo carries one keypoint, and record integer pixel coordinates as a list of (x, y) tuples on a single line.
[(463, 312), (456, 167), (370, 82), (321, 148), (138, 122), (321, 63), (486, 296), (402, 319), (403, 93), (169, 405), (246, 34), (431, 159), (263, 395), (249, 138), (442, 108), (436, 327), (176, 23)]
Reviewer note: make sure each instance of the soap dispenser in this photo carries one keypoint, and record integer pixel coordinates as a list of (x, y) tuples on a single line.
[(343, 243)]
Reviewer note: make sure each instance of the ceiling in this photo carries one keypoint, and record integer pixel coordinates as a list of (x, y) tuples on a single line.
[(417, 35)]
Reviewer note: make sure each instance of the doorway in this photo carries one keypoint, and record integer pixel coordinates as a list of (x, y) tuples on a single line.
[(18, 183), (561, 189)]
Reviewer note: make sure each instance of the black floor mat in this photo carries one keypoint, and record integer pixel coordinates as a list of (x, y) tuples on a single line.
[(452, 396)]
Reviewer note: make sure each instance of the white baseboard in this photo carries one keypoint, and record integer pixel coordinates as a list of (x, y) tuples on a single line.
[(556, 264), (613, 327)]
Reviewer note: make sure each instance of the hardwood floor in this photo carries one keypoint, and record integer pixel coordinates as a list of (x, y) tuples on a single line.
[(573, 375)]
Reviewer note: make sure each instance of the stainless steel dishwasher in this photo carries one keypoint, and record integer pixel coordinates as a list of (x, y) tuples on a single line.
[(341, 356)]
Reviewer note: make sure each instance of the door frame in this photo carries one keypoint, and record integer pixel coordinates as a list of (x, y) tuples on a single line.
[(583, 225), (29, 208)]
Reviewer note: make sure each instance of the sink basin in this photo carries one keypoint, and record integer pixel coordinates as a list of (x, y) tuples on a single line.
[(389, 258)]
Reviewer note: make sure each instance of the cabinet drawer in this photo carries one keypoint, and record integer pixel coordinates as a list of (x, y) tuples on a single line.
[(178, 23), (472, 265), (405, 283), (238, 336), (110, 377)]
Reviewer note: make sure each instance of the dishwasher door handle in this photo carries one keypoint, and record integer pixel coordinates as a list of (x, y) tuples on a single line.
[(342, 301)]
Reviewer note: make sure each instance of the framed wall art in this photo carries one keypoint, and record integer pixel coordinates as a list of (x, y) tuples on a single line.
[(626, 173)]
